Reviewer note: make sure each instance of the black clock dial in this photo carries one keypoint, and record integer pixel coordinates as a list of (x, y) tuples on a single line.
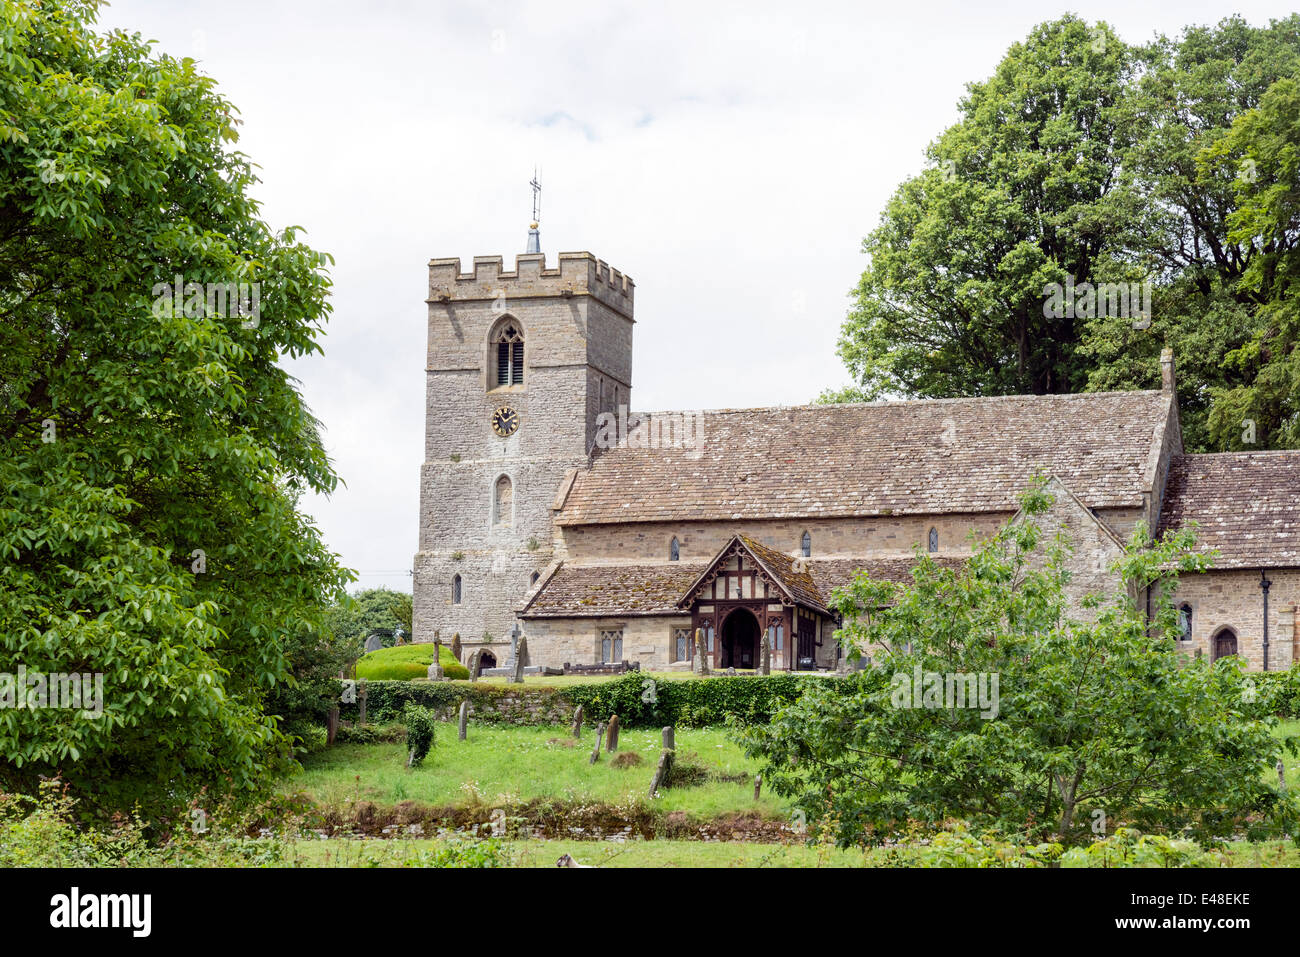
[(505, 421)]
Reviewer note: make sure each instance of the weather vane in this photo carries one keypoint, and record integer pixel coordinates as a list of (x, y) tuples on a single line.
[(537, 198)]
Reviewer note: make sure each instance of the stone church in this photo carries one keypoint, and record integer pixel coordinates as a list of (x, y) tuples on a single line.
[(547, 510)]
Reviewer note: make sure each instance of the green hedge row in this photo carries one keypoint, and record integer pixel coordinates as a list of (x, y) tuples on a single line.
[(643, 701), (638, 700)]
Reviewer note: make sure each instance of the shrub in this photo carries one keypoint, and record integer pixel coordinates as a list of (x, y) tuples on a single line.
[(408, 663), (419, 733)]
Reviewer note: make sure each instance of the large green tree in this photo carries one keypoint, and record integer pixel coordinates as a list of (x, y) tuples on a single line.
[(1094, 722), (152, 451), (1086, 160)]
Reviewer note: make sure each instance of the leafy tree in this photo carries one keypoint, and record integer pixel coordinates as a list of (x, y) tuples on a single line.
[(370, 611), (151, 451), (1095, 723), (1087, 160)]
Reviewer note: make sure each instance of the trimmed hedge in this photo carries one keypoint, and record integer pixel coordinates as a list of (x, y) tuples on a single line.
[(643, 701), (639, 700), (407, 662)]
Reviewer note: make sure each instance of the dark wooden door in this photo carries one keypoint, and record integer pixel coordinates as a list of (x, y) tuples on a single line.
[(1225, 643), (806, 658)]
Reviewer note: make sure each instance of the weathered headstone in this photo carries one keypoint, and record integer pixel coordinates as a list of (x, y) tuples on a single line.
[(374, 643), (521, 660), (464, 719), (662, 773), (701, 653), (600, 738), (577, 722), (611, 734), (476, 665), (765, 656), (361, 700), (1281, 776), (455, 646), (435, 672), (758, 785), (670, 743), (332, 724)]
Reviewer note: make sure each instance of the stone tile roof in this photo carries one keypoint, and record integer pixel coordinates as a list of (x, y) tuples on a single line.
[(926, 457), (1247, 505), (601, 591), (597, 591)]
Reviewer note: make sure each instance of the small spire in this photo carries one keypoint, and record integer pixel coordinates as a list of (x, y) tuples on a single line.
[(534, 236)]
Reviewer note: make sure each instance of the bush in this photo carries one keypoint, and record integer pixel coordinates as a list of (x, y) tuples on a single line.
[(642, 701), (1276, 693), (408, 663), (419, 733)]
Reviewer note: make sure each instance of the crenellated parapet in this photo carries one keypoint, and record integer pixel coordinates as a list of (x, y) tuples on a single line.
[(577, 274)]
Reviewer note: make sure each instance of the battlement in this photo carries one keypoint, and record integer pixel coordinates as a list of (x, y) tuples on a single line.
[(577, 274)]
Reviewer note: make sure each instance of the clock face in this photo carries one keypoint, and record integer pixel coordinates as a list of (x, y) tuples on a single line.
[(505, 421)]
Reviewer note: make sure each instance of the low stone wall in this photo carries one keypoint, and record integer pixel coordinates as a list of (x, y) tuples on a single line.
[(493, 704)]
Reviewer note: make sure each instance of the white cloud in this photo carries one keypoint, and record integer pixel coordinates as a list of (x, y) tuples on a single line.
[(729, 157)]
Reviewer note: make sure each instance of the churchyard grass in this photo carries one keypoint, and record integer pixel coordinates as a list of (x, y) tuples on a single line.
[(675, 853), (514, 765)]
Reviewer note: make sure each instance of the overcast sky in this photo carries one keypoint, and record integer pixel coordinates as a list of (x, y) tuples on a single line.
[(729, 157)]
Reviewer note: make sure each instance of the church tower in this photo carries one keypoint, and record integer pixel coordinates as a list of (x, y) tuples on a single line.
[(520, 364)]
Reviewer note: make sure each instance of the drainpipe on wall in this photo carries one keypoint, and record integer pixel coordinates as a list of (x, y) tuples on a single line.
[(1264, 584)]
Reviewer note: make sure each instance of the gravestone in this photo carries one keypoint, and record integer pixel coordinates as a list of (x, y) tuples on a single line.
[(577, 722), (701, 653), (662, 773), (670, 743), (521, 661), (758, 785), (374, 643), (361, 700), (475, 664), (435, 672), (765, 656), (600, 738), (1281, 776), (455, 646), (464, 719), (611, 732)]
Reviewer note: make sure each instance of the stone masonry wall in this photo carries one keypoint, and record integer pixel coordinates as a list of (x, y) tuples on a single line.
[(1233, 599)]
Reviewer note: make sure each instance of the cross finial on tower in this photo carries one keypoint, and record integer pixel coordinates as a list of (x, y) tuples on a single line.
[(535, 237)]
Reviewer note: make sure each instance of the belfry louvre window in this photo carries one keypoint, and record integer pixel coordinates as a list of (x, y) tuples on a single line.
[(509, 342)]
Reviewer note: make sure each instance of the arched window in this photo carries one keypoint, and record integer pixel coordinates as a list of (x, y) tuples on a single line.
[(508, 351), (806, 545), (934, 539), (503, 501), (674, 552), (1184, 622), (532, 579), (455, 589)]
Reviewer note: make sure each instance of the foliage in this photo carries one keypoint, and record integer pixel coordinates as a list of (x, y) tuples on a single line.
[(955, 845), (407, 662), (643, 701), (152, 456), (419, 732), (370, 611), (1083, 158), (1094, 723)]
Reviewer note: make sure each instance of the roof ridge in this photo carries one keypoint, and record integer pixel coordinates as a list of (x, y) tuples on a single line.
[(886, 403)]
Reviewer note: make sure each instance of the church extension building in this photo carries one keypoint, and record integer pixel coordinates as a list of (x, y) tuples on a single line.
[(603, 537)]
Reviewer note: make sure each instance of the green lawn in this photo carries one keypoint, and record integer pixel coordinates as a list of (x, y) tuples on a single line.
[(511, 766), (638, 853)]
